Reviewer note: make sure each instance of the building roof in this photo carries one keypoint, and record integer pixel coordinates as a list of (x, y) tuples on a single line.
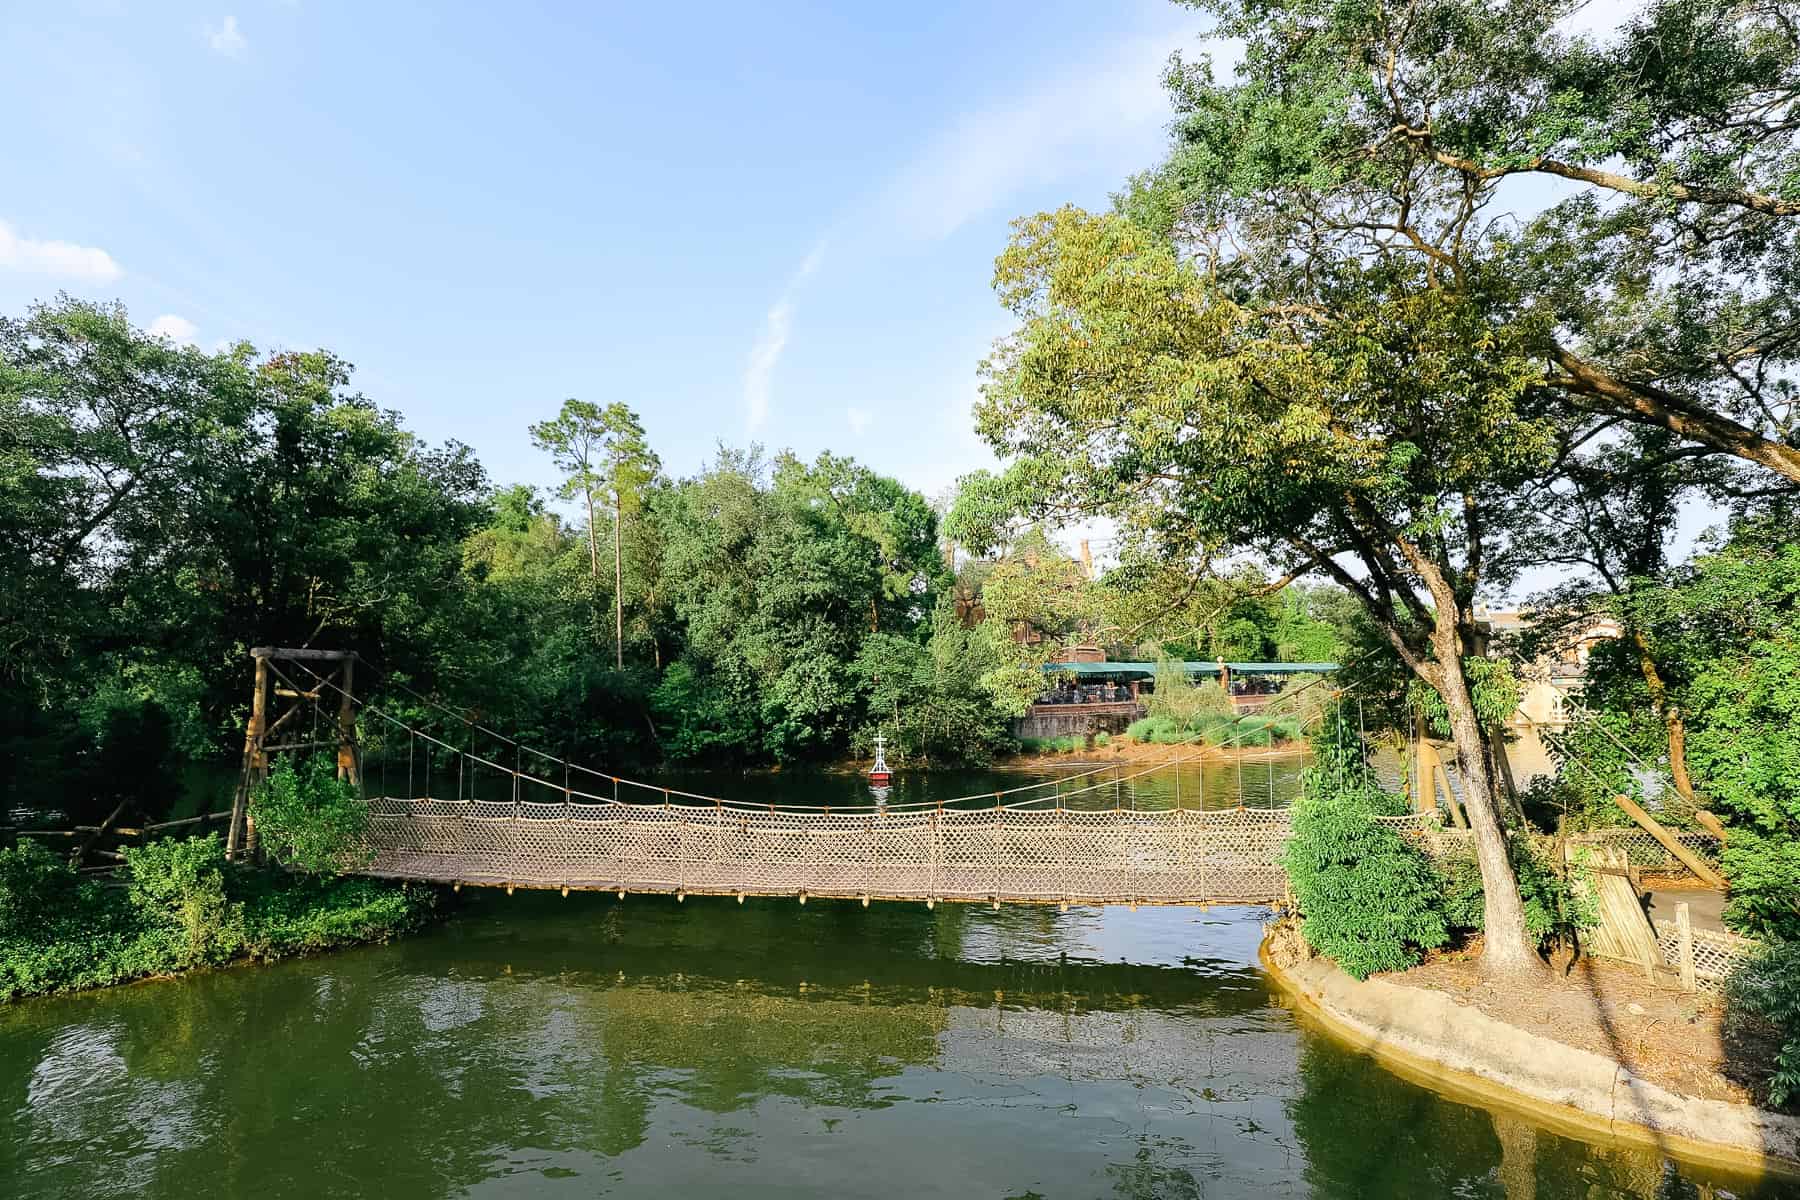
[(1147, 670)]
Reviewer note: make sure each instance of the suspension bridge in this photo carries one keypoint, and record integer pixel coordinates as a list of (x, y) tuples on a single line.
[(464, 815)]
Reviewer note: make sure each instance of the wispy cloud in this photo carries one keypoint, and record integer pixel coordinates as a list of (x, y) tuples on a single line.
[(179, 330), (860, 420), (1108, 113), (63, 260), (765, 355), (226, 38)]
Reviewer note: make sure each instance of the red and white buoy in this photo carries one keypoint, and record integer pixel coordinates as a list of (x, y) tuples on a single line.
[(879, 775)]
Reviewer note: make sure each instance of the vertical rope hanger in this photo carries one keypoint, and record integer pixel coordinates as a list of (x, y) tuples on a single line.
[(1362, 740)]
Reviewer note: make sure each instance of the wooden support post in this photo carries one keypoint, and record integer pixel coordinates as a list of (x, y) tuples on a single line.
[(347, 766), (1670, 842), (1712, 825), (1684, 933), (237, 834)]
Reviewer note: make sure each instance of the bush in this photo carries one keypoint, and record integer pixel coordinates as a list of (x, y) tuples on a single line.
[(1215, 728), (1767, 988), (1180, 700), (178, 886), (1253, 731), (1160, 731), (36, 889), (1368, 900), (307, 819)]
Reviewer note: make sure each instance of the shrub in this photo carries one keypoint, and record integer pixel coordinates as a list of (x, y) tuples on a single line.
[(1253, 731), (294, 915), (178, 886), (36, 889), (1180, 699), (1767, 988), (1160, 731), (1215, 728), (309, 820), (185, 907), (1368, 900)]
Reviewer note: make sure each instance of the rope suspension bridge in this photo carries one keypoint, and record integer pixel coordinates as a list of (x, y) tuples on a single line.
[(464, 815)]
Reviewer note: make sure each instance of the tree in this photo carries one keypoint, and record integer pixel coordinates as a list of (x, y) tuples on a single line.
[(1380, 444), (1611, 514), (1660, 289), (601, 450)]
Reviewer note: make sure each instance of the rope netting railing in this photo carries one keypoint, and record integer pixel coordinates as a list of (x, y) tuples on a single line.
[(1168, 856)]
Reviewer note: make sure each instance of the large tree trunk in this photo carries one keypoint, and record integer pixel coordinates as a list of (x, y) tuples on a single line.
[(1506, 948)]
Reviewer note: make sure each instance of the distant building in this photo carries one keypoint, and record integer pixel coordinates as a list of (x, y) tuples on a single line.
[(1553, 680)]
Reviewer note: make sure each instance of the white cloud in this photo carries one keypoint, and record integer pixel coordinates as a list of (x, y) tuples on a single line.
[(1109, 114), (64, 260), (179, 330), (227, 38), (860, 420), (759, 372)]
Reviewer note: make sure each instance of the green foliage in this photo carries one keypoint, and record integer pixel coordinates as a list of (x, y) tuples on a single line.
[(309, 820), (36, 889), (1181, 700), (1724, 635), (178, 886), (1554, 911), (1368, 900), (1767, 988), (930, 698), (184, 907)]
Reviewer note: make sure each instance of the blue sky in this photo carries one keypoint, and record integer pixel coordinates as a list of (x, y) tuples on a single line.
[(769, 221)]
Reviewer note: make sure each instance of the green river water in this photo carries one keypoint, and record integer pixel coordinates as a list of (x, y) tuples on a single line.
[(541, 1046)]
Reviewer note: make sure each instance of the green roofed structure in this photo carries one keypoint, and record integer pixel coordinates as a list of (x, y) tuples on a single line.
[(1127, 671)]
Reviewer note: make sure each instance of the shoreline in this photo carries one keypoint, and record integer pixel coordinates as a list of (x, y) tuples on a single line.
[(1430, 1039)]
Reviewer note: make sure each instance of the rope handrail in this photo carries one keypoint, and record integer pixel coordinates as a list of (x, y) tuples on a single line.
[(1056, 787)]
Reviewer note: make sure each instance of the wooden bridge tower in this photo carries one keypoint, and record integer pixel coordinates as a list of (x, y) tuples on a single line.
[(330, 699)]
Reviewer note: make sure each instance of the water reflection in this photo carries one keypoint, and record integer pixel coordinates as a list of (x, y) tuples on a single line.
[(582, 1047)]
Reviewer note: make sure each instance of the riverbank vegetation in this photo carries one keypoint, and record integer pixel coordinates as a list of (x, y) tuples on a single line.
[(178, 903)]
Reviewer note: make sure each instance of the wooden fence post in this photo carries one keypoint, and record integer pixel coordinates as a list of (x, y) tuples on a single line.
[(1711, 824), (1684, 933)]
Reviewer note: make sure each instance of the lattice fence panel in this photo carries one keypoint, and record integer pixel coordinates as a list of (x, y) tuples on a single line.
[(1643, 850), (1716, 954)]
